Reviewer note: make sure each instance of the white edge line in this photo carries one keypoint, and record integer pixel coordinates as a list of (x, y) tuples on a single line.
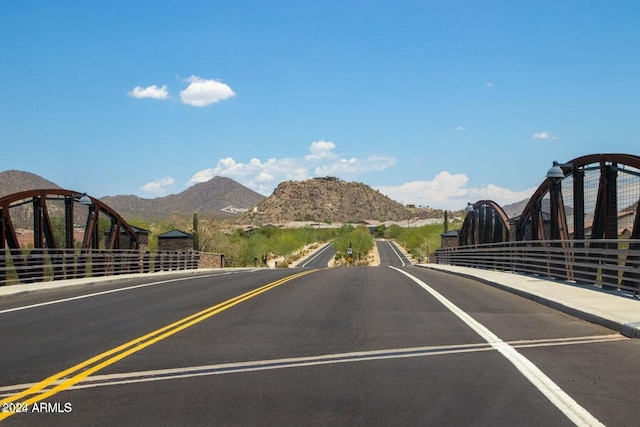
[(576, 413), (393, 248), (317, 254)]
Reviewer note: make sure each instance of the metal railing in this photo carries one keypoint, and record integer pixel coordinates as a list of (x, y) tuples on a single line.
[(609, 264), (40, 265)]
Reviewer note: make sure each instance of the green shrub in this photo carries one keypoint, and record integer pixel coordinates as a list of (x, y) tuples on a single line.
[(358, 238), (419, 241)]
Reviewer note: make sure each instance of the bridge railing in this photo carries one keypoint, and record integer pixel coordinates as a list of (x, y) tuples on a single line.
[(607, 263), (40, 265)]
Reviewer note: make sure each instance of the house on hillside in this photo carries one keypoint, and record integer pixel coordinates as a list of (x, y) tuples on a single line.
[(372, 225)]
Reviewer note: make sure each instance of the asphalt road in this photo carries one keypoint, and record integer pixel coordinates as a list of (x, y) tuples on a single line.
[(320, 258), (305, 346)]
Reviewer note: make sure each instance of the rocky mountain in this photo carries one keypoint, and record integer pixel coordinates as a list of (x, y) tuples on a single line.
[(13, 181), (325, 200), (220, 196), (515, 209)]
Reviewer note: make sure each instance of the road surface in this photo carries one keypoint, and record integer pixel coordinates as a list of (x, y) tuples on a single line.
[(386, 345)]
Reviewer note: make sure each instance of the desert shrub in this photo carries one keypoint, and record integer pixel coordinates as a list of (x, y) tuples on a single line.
[(419, 241), (358, 238)]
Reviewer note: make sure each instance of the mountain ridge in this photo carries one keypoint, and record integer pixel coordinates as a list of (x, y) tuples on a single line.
[(211, 197), (14, 181), (327, 199)]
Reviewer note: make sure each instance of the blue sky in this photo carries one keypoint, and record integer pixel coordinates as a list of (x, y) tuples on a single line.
[(433, 103)]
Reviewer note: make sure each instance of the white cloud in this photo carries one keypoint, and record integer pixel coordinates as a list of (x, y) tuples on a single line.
[(321, 150), (500, 195), (158, 188), (354, 167), (264, 176), (202, 176), (459, 128), (489, 85), (153, 92), (203, 92), (544, 135), (444, 191), (447, 191)]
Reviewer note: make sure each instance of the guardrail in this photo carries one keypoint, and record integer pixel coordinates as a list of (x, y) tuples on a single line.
[(610, 264), (41, 265)]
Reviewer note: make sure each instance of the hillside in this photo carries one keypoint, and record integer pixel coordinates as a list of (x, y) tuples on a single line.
[(515, 209), (13, 181), (222, 197), (325, 200)]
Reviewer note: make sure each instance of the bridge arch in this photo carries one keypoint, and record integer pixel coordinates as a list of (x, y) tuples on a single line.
[(590, 197), (486, 222), (49, 220)]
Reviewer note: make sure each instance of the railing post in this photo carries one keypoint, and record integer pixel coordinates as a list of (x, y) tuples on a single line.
[(146, 262), (610, 275), (3, 266)]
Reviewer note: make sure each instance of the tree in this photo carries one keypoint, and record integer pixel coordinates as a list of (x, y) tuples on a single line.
[(196, 236), (446, 221)]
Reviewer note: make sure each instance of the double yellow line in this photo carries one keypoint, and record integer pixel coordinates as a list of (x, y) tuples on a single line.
[(69, 377)]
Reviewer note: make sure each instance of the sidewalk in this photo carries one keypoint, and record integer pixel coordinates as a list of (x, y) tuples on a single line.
[(612, 309)]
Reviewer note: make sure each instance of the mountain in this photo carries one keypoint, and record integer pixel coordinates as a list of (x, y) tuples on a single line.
[(219, 196), (325, 200), (14, 181), (515, 209)]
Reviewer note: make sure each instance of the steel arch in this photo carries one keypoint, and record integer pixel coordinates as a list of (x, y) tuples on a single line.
[(43, 230), (532, 224), (597, 218), (486, 223)]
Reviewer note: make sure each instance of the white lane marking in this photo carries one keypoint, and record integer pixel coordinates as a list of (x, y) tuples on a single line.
[(572, 410), (95, 294), (262, 365), (396, 252), (317, 254)]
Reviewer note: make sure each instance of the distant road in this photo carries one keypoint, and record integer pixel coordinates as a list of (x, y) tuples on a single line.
[(320, 258), (341, 346), (391, 255)]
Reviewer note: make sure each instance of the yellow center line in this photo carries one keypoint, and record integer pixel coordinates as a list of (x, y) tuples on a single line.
[(118, 353)]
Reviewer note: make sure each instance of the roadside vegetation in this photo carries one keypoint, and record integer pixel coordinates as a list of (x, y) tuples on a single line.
[(259, 245), (358, 239), (241, 247), (418, 241)]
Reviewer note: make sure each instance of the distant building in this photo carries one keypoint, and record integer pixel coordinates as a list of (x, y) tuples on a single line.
[(143, 237), (175, 240), (371, 225), (449, 239)]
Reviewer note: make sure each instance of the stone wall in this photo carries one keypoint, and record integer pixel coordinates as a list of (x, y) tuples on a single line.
[(211, 260), (448, 242)]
